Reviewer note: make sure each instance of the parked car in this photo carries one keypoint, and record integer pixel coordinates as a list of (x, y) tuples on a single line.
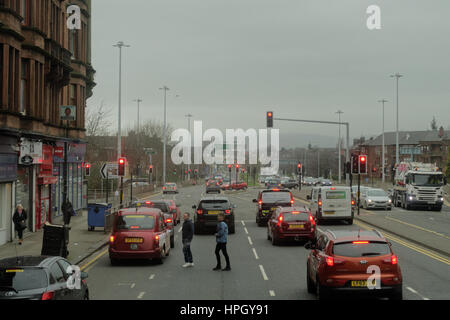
[(339, 262), (331, 203), (212, 186), (291, 223), (139, 233), (268, 201), (207, 210), (170, 187), (40, 278), (377, 199)]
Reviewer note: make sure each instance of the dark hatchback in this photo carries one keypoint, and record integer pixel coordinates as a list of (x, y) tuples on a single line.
[(207, 210), (268, 201), (40, 278)]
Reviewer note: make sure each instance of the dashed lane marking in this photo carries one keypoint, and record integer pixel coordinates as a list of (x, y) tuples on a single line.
[(246, 231), (141, 295), (264, 275), (272, 293), (256, 255), (250, 241), (151, 277), (417, 293), (243, 223)]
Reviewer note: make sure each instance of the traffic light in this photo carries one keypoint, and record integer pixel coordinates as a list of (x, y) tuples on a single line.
[(150, 169), (362, 164), (348, 168), (174, 171), (237, 167), (299, 168), (355, 164), (121, 168), (87, 172), (269, 119), (229, 167), (374, 170)]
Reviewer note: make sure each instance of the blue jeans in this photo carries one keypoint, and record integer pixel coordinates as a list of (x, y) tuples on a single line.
[(187, 252)]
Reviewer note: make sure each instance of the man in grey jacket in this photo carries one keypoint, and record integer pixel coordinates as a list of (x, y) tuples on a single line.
[(221, 240), (188, 234)]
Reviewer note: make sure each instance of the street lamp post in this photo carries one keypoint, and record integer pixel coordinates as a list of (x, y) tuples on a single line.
[(165, 88), (397, 155), (383, 101), (339, 112), (138, 100)]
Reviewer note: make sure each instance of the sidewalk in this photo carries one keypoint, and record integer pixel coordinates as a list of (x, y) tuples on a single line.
[(82, 242)]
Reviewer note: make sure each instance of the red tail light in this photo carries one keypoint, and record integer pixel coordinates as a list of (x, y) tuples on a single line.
[(360, 242), (320, 203), (280, 220), (392, 260), (147, 202), (292, 201), (164, 188), (134, 227), (275, 189), (169, 220), (48, 295), (353, 202), (312, 220), (200, 211), (330, 261), (227, 211), (156, 243), (260, 202), (111, 239)]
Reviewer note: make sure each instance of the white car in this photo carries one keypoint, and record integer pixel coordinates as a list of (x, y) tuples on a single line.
[(331, 203), (377, 199)]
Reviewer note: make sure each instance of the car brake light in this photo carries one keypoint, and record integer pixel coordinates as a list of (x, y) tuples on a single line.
[(227, 211), (260, 202), (134, 227), (164, 188), (360, 242), (330, 261), (169, 220), (392, 260), (353, 202), (48, 295), (111, 239), (280, 220), (292, 201), (156, 240), (312, 220), (147, 202), (200, 211), (275, 189)]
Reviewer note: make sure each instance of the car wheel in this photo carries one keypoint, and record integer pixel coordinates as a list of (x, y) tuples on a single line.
[(275, 241), (86, 296), (350, 221), (309, 284), (321, 291)]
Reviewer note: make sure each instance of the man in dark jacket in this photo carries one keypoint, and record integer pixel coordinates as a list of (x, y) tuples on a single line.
[(221, 239), (19, 218), (188, 234)]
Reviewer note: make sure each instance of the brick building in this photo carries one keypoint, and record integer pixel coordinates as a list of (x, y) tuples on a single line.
[(43, 66)]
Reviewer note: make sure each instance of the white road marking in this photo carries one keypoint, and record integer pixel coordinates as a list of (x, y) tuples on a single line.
[(263, 272), (250, 241), (272, 293), (181, 229), (243, 223), (141, 295), (417, 293), (133, 285), (256, 255), (246, 231), (151, 277)]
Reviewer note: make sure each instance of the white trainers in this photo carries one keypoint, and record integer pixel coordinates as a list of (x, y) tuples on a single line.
[(186, 265), (191, 264)]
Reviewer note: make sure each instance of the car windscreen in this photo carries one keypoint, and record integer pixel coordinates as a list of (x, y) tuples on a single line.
[(336, 195), (377, 193), (295, 216), (214, 204), (135, 222), (21, 279), (362, 249), (276, 197)]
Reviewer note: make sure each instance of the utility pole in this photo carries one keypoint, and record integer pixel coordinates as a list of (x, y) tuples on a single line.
[(383, 101), (138, 100), (339, 112), (165, 88), (397, 151)]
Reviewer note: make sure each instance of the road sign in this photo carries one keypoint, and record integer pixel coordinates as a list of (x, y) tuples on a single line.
[(109, 170), (149, 151)]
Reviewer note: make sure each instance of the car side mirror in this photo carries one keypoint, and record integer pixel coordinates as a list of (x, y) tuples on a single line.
[(310, 245), (84, 275), (255, 201)]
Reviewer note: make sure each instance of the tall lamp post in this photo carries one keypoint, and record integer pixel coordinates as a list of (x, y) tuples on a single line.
[(165, 88), (339, 112), (383, 101), (397, 154), (138, 100)]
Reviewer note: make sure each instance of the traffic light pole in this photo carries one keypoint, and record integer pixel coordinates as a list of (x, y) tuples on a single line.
[(107, 186), (121, 192), (359, 191)]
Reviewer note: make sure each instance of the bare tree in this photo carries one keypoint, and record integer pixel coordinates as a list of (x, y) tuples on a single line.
[(97, 121)]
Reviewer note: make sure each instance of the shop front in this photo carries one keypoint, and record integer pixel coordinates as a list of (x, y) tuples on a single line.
[(8, 176)]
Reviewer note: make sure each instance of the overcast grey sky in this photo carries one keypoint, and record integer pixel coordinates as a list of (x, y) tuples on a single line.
[(232, 60)]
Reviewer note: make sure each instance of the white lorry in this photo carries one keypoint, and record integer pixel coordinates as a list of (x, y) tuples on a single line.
[(418, 184)]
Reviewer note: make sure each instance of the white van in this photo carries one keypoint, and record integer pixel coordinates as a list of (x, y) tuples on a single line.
[(331, 203)]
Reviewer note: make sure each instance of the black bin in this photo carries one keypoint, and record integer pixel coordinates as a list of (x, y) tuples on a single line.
[(55, 240)]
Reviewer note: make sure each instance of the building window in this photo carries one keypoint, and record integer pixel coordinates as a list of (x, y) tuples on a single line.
[(23, 86), (73, 94), (1, 75)]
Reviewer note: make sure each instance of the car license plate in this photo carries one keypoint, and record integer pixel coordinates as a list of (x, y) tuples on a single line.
[(330, 212), (361, 283), (296, 226), (213, 212), (430, 202), (134, 240), (265, 211), (133, 246)]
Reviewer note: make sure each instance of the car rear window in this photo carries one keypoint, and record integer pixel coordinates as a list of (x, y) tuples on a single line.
[(214, 204), (292, 216), (160, 205), (336, 195), (135, 222), (21, 279), (371, 249), (276, 196)]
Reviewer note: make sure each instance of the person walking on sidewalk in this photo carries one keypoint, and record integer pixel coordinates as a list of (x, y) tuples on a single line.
[(221, 240), (19, 218), (188, 234)]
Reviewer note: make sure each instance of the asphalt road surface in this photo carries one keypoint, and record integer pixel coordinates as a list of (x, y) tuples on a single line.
[(259, 270)]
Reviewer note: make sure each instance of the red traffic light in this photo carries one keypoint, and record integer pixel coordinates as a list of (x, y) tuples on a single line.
[(299, 165), (237, 166), (88, 165), (121, 161), (363, 159)]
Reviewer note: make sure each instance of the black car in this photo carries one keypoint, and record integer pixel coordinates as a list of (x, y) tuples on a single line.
[(207, 210), (289, 184), (268, 201), (41, 278), (213, 186), (274, 183)]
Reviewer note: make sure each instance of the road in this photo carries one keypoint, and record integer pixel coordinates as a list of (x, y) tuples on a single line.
[(259, 270)]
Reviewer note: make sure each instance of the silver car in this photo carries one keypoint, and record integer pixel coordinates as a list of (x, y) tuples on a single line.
[(377, 199)]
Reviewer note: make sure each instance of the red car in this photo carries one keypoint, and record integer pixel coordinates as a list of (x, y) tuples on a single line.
[(239, 186), (291, 223), (225, 186), (343, 261), (175, 211), (139, 233)]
